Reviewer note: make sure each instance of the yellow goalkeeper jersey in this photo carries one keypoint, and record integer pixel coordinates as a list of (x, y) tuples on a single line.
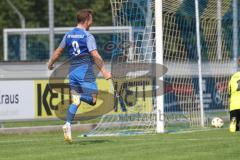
[(234, 91)]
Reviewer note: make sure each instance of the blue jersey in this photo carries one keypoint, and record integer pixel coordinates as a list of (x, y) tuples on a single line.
[(79, 43)]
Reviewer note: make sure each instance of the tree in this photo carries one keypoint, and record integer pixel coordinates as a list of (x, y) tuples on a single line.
[(36, 14)]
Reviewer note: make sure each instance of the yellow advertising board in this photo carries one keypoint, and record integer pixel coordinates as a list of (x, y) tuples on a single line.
[(50, 98), (53, 98)]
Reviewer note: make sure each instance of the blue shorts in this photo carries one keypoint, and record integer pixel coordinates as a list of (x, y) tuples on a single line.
[(82, 80)]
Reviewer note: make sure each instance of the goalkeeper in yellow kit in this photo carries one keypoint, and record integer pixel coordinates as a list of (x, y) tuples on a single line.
[(234, 98)]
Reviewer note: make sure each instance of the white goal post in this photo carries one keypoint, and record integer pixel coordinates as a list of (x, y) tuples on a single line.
[(159, 60)]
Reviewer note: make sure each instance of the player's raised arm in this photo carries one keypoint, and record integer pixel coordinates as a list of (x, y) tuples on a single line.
[(100, 64), (57, 53)]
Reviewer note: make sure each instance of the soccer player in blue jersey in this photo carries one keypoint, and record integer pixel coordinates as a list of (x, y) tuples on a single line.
[(83, 53)]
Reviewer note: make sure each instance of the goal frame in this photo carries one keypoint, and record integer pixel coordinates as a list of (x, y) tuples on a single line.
[(60, 30), (159, 60)]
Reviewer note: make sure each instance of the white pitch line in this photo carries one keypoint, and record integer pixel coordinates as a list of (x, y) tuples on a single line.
[(28, 140), (200, 130)]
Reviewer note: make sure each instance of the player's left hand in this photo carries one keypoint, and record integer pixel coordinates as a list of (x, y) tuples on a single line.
[(107, 75), (50, 66)]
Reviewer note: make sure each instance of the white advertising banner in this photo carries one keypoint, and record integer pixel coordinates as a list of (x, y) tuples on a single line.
[(16, 100)]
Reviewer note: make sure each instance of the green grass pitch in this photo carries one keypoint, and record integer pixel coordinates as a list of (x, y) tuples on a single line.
[(216, 144)]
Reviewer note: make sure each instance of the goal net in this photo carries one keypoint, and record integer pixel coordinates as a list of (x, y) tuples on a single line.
[(182, 98), (182, 109)]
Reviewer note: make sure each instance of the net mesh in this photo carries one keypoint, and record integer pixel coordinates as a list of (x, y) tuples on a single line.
[(181, 86)]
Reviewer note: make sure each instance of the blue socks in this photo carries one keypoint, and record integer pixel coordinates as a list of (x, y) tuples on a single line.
[(73, 108), (71, 112)]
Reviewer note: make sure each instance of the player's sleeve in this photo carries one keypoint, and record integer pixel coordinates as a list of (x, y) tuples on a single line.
[(63, 42), (91, 43)]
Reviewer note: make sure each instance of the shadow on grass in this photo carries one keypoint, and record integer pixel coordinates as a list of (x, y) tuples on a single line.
[(89, 141)]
